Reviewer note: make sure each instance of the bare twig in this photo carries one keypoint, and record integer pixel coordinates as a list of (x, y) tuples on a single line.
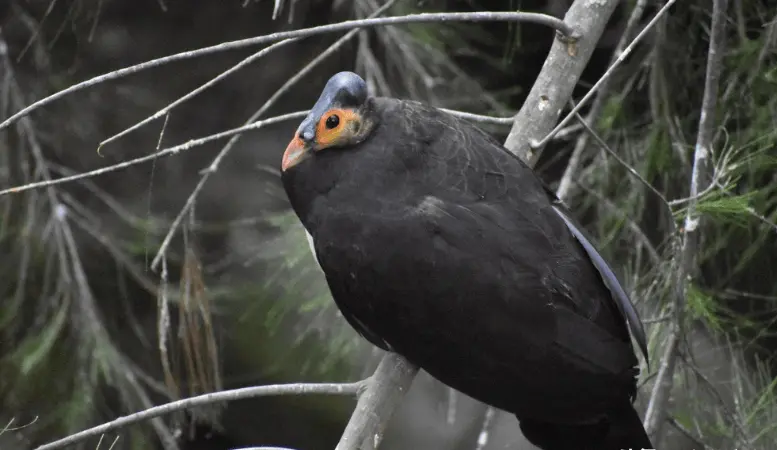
[(633, 226), (377, 403), (223, 153), (480, 118), (208, 399), (623, 163), (166, 110), (9, 427), (543, 19), (560, 74), (656, 412)]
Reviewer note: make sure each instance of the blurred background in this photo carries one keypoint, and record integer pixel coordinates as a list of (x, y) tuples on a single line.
[(89, 332)]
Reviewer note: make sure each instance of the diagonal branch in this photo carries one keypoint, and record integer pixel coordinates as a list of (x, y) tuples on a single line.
[(655, 416), (533, 126), (558, 77), (166, 110)]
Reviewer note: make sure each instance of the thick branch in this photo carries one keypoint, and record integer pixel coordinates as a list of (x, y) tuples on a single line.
[(656, 413), (558, 76), (377, 403), (593, 115), (603, 79)]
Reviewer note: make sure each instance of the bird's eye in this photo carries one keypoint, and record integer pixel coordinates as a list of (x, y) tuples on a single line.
[(332, 121)]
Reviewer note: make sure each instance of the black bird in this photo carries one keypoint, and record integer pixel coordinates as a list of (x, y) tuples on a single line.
[(438, 244)]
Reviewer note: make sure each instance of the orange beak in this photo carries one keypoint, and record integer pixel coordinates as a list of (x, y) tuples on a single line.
[(295, 153)]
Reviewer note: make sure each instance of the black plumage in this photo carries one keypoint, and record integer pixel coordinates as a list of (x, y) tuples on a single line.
[(440, 245)]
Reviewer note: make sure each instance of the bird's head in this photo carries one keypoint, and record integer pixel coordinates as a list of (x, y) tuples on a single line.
[(340, 118)]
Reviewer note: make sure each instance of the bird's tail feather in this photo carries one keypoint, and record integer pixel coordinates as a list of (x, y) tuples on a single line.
[(621, 430)]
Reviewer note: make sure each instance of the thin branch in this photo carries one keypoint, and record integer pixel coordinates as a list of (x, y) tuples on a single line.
[(656, 413), (208, 399), (623, 163), (164, 152), (542, 19), (555, 81), (733, 293), (8, 426), (166, 110), (710, 187), (633, 226), (480, 118), (377, 403)]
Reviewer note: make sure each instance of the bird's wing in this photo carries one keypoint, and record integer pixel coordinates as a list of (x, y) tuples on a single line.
[(544, 278), (472, 155), (610, 280), (494, 154)]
